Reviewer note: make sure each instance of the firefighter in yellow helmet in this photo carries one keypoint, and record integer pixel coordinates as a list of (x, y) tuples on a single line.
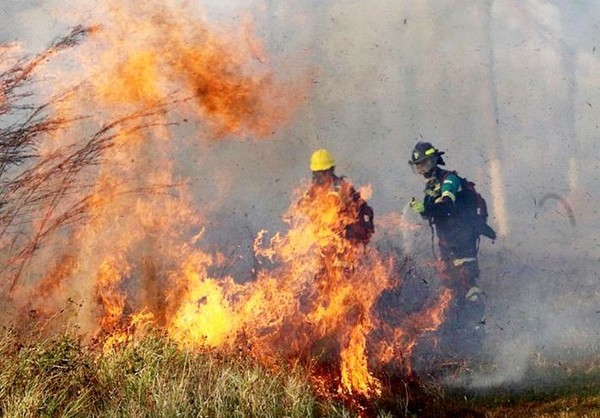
[(339, 224), (358, 215)]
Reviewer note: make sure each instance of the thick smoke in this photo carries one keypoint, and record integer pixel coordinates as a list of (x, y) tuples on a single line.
[(511, 83)]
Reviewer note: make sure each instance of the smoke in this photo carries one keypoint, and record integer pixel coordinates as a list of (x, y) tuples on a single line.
[(506, 81)]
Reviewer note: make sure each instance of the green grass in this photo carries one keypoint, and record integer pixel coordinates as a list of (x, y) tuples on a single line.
[(152, 377)]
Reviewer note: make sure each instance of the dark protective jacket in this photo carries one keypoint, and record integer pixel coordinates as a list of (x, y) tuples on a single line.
[(457, 230)]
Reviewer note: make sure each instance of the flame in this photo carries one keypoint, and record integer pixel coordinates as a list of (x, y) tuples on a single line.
[(133, 80), (110, 298), (204, 316), (135, 259), (138, 325), (354, 367), (313, 304), (150, 53)]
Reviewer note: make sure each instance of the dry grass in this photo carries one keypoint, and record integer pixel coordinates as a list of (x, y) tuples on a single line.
[(151, 378), (154, 378)]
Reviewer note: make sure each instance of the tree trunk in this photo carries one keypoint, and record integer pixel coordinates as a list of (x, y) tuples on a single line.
[(491, 116)]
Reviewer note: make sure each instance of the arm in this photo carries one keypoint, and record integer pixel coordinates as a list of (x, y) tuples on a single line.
[(442, 203)]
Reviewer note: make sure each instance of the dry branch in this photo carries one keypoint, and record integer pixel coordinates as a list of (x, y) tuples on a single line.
[(51, 191)]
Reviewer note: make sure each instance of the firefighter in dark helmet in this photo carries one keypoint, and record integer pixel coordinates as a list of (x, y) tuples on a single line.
[(459, 216)]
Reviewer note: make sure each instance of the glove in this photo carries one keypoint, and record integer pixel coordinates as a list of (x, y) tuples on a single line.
[(417, 205)]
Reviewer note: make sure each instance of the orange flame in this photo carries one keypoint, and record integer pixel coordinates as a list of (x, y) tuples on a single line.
[(136, 260), (110, 298), (137, 326)]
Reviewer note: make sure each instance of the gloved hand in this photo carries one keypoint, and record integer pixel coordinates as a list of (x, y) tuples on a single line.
[(417, 205)]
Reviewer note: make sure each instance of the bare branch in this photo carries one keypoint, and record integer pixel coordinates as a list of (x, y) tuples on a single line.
[(49, 192)]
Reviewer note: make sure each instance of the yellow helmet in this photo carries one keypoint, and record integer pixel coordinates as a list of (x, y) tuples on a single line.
[(321, 160)]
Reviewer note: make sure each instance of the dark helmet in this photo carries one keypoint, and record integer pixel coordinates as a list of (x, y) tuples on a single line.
[(423, 151)]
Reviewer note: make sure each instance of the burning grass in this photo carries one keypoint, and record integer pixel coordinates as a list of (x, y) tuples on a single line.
[(90, 236), (152, 376)]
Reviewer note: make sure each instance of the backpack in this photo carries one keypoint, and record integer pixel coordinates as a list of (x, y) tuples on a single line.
[(473, 206), (363, 228), (365, 215)]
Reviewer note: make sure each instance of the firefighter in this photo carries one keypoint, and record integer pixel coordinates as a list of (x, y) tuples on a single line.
[(458, 215), (357, 219), (341, 222)]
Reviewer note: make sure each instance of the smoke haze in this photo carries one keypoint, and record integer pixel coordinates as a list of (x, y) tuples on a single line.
[(508, 89)]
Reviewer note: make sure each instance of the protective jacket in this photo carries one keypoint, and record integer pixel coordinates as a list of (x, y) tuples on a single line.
[(457, 231)]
